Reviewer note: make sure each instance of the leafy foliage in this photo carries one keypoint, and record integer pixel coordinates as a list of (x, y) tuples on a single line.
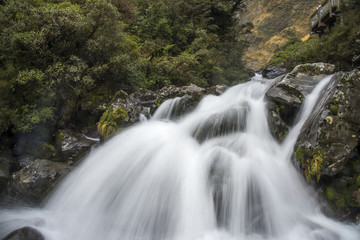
[(53, 52)]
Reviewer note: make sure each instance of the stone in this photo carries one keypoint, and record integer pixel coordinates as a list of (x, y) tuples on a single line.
[(34, 182), (216, 90), (271, 72), (287, 94), (73, 144), (25, 233), (334, 131), (124, 110), (313, 69)]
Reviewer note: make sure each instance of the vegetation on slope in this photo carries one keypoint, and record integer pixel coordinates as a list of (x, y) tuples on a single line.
[(335, 46), (54, 52)]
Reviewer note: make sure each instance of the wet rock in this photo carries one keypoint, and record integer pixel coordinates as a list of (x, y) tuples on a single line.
[(124, 110), (172, 91), (33, 182), (271, 72), (25, 233), (328, 146), (73, 145), (216, 90), (286, 96), (278, 127)]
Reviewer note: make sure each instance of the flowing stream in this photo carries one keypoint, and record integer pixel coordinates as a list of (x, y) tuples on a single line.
[(213, 174)]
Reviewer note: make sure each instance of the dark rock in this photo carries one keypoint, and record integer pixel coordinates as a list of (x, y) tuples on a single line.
[(24, 160), (73, 145), (286, 96), (356, 61), (216, 90), (271, 72), (33, 182), (328, 146), (124, 110), (172, 91), (25, 233), (278, 127)]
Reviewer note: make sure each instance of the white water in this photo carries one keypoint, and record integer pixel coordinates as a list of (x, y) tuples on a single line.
[(215, 174)]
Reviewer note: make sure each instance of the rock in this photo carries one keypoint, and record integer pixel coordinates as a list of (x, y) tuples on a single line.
[(33, 182), (328, 146), (271, 72), (124, 110), (356, 61), (25, 233), (287, 94), (172, 91), (73, 145), (313, 69), (216, 90)]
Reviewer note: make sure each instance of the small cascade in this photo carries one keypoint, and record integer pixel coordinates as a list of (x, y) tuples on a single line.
[(213, 174)]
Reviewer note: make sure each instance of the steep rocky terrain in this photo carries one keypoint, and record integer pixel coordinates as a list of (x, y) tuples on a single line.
[(268, 24), (327, 149)]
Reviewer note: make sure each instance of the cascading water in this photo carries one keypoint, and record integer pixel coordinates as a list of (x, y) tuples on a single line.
[(214, 174)]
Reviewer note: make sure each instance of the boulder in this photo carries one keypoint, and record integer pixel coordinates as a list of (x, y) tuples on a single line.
[(73, 145), (288, 92), (25, 233), (33, 182), (124, 110), (328, 145), (271, 72), (216, 90)]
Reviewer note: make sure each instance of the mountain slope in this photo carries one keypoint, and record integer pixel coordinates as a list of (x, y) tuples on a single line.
[(269, 24)]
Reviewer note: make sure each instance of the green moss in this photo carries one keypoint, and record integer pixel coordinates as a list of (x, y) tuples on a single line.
[(121, 94), (159, 101), (340, 202), (334, 110), (311, 161), (358, 181), (111, 121), (330, 193), (277, 108)]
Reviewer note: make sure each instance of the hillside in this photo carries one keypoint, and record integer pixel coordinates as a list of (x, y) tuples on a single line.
[(269, 24)]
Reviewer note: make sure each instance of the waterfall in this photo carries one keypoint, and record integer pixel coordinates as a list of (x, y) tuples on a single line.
[(213, 174)]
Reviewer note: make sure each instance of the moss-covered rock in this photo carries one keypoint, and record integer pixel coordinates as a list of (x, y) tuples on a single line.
[(328, 146), (111, 121), (311, 161), (313, 69)]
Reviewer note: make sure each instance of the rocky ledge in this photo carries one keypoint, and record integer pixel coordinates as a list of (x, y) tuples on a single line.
[(327, 149)]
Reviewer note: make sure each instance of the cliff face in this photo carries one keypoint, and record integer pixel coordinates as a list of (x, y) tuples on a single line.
[(267, 24)]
